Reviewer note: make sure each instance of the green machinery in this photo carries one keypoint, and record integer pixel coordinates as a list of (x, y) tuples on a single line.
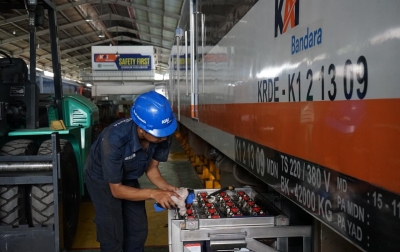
[(27, 199)]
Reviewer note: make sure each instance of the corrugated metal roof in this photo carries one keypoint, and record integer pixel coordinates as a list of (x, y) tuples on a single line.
[(124, 22)]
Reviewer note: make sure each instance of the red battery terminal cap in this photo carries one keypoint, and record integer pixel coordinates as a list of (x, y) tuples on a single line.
[(241, 193)]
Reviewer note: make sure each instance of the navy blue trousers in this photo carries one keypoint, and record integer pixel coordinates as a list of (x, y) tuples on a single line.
[(121, 225)]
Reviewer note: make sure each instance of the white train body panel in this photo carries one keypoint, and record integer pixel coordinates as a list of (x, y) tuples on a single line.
[(305, 95)]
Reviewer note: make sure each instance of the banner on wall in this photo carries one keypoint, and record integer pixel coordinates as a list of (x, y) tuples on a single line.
[(182, 62), (122, 62), (219, 56), (122, 58)]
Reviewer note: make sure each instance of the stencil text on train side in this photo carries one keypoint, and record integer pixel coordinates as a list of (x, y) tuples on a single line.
[(347, 80)]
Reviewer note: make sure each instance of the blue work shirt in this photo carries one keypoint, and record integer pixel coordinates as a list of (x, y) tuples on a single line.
[(117, 154)]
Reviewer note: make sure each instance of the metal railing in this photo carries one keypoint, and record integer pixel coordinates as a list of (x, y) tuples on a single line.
[(116, 75)]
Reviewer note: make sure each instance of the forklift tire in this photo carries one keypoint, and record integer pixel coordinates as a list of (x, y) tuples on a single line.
[(42, 196), (9, 206), (12, 200)]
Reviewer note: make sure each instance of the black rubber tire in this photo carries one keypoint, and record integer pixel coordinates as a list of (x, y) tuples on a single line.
[(42, 196), (12, 200), (9, 206)]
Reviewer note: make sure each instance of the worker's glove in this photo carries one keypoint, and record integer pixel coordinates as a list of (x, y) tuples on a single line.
[(187, 197), (180, 203)]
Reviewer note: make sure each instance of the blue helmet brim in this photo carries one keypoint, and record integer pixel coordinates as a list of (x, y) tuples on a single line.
[(165, 131)]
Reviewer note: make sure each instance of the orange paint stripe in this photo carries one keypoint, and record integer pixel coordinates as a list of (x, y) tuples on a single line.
[(193, 111), (357, 138)]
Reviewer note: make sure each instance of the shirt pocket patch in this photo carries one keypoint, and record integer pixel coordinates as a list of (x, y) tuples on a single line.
[(135, 167), (130, 157)]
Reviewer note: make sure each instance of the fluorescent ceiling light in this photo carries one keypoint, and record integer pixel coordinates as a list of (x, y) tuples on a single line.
[(88, 18)]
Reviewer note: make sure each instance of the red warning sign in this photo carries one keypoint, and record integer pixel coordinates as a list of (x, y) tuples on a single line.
[(105, 58)]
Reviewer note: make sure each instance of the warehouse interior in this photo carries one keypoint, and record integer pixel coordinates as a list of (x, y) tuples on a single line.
[(265, 153)]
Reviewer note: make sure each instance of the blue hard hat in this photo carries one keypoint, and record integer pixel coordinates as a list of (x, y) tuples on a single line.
[(152, 112)]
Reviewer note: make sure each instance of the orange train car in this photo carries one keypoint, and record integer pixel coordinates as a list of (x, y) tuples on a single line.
[(305, 96)]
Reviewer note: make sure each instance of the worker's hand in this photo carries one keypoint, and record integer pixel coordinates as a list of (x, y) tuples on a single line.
[(171, 188), (163, 198)]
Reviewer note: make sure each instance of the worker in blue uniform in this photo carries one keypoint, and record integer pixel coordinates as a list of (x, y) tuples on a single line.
[(123, 152)]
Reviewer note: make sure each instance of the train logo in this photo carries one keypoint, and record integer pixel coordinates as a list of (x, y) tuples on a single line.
[(290, 16)]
